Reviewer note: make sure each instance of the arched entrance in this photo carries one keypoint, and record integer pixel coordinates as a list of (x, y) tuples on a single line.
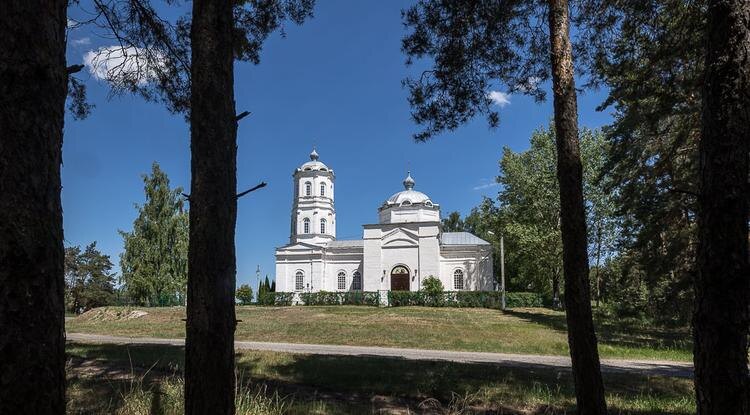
[(400, 278)]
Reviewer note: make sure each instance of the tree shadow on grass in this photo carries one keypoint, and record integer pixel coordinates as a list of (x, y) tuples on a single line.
[(480, 388), (368, 384), (629, 333)]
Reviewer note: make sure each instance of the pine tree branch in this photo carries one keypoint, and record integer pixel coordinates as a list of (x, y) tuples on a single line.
[(74, 68), (242, 115), (252, 189)]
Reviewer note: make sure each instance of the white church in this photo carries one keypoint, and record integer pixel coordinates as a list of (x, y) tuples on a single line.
[(406, 246)]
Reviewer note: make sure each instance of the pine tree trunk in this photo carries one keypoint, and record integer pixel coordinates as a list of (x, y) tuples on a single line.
[(209, 356), (722, 290), (581, 337), (33, 87)]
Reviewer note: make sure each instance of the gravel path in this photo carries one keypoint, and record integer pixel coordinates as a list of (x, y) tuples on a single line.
[(645, 367)]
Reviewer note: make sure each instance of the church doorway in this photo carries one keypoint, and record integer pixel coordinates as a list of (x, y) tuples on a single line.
[(400, 278)]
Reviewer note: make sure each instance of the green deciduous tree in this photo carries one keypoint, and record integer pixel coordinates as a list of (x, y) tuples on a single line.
[(89, 281), (453, 223), (244, 294), (154, 260), (529, 212)]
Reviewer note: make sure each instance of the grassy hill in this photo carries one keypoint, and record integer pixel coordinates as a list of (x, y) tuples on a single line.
[(525, 330)]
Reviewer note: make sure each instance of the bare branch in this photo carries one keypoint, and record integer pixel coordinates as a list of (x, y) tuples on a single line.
[(74, 68), (242, 115), (252, 189)]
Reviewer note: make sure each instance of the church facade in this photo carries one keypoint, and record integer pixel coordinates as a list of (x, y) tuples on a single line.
[(406, 246)]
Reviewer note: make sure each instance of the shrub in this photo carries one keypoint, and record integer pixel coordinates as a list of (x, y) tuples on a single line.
[(339, 298), (432, 285), (244, 294), (274, 298), (406, 298), (523, 299), (465, 299)]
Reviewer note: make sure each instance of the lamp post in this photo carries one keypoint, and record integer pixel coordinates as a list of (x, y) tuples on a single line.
[(502, 270)]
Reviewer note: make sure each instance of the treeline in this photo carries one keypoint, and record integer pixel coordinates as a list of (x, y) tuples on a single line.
[(153, 262), (635, 270)]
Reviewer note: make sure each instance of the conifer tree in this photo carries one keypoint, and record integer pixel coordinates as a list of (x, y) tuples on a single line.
[(476, 46), (189, 65), (33, 89)]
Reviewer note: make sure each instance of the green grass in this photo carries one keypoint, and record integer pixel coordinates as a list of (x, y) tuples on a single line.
[(363, 384), (527, 331)]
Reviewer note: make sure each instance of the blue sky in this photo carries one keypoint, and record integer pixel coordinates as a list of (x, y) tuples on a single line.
[(333, 83)]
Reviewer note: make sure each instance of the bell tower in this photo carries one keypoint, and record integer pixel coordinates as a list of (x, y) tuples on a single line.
[(313, 213)]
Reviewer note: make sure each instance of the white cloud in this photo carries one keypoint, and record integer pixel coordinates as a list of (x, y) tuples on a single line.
[(82, 41), (486, 184), (117, 64), (501, 99)]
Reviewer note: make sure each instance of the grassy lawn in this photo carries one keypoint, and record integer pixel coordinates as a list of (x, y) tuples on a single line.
[(347, 384), (523, 330)]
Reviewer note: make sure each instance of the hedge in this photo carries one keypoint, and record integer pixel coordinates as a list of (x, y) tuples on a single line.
[(466, 299), (341, 298), (274, 298)]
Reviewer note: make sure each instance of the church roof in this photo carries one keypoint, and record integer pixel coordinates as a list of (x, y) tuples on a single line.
[(461, 238), (408, 195), (314, 163), (352, 243)]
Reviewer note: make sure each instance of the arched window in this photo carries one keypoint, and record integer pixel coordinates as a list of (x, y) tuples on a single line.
[(323, 226), (308, 189), (306, 225), (356, 281), (322, 189), (299, 281), (342, 280), (458, 279)]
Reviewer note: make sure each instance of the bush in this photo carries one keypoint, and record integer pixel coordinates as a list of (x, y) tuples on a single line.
[(522, 299), (340, 298), (406, 298), (277, 299), (464, 299)]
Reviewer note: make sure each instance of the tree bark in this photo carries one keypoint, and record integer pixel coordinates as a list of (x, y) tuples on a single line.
[(722, 290), (209, 359), (581, 337), (33, 87)]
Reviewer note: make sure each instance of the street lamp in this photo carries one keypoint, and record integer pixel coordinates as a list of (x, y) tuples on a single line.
[(502, 270)]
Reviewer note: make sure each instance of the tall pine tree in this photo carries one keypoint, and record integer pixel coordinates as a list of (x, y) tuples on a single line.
[(477, 46), (33, 87)]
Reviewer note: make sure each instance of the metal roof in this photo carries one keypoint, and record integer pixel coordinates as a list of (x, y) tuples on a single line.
[(352, 243), (461, 238)]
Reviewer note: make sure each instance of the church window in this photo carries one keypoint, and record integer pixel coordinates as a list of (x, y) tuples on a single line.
[(306, 225), (458, 279), (342, 280), (356, 281), (308, 189), (323, 226), (322, 189), (299, 281)]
